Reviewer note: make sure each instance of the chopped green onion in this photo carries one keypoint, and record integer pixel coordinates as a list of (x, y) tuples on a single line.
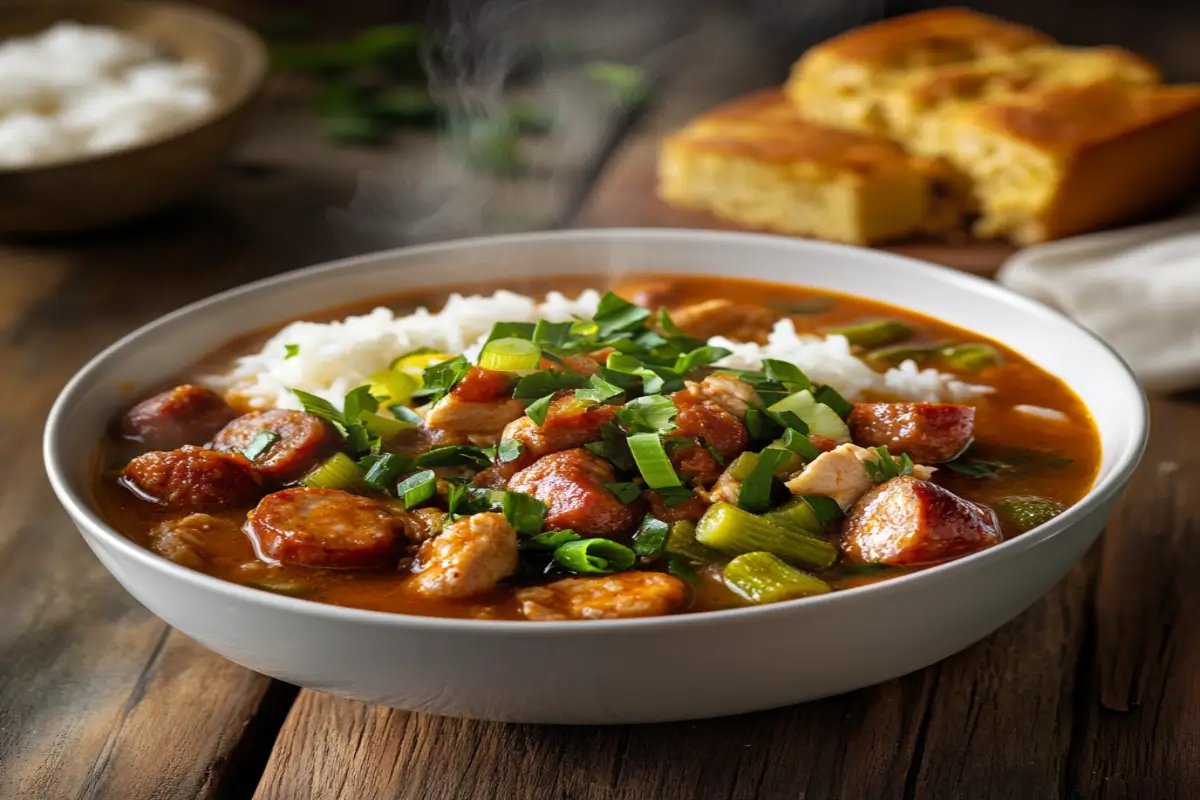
[(319, 407), (511, 330), (438, 379), (510, 355), (820, 418), (699, 357), (652, 460), (417, 488), (550, 540), (762, 578), (613, 447), (290, 351), (800, 444), (1028, 512), (594, 556), (815, 305), (973, 357), (796, 515), (827, 395), (263, 441), (650, 538), (826, 509), (391, 386), (538, 409), (759, 486), (615, 314), (885, 467), (675, 495), (655, 380), (385, 428), (627, 82), (358, 401), (337, 472), (875, 333), (626, 492), (730, 529), (384, 470), (552, 334)]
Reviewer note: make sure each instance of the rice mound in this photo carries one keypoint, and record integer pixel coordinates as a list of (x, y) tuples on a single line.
[(333, 358)]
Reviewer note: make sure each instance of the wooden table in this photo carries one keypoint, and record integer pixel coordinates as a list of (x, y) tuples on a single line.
[(1093, 692)]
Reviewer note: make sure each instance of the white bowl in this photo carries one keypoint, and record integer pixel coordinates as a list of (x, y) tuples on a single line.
[(617, 671)]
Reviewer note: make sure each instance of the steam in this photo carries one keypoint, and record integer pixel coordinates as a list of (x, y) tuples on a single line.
[(484, 58)]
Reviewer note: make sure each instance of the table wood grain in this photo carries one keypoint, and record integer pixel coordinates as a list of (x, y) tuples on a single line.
[(1092, 692)]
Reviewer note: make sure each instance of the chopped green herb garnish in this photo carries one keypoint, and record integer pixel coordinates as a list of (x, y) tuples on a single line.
[(599, 390), (319, 407), (538, 409), (825, 509), (455, 455), (654, 413), (626, 492), (439, 379), (675, 495), (524, 512), (509, 450), (786, 374), (290, 351), (800, 444), (887, 466), (383, 470), (650, 538), (539, 384), (830, 397), (815, 305), (262, 442), (699, 357), (613, 447), (615, 314)]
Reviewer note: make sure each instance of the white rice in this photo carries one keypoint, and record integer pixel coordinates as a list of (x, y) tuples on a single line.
[(828, 359), (82, 89), (335, 357)]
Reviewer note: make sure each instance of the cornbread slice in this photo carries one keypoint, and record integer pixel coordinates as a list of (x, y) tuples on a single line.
[(756, 163), (1072, 159), (843, 81)]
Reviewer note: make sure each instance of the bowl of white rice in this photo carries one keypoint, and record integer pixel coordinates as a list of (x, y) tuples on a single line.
[(109, 111)]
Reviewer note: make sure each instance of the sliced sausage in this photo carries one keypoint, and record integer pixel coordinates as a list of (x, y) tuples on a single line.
[(186, 414), (706, 423), (468, 558), (571, 484), (628, 594), (928, 432), (569, 424), (322, 528), (192, 477), (304, 441), (909, 521)]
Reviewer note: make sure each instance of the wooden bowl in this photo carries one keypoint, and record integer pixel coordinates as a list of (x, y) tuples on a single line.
[(93, 191)]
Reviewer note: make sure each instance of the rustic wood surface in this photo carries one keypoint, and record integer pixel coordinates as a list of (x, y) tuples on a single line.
[(1093, 692)]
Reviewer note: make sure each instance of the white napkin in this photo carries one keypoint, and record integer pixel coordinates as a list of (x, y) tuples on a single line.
[(1137, 288)]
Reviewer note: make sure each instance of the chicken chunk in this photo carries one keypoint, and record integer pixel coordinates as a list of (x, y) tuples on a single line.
[(571, 484), (908, 521), (728, 391), (840, 474), (927, 432), (468, 558), (628, 594), (477, 409)]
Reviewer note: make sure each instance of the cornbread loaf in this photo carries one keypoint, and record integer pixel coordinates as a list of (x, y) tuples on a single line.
[(844, 81), (1068, 160), (757, 163)]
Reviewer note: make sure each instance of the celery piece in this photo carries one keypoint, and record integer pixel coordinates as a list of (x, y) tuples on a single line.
[(337, 472), (728, 528), (681, 543), (795, 515), (973, 356), (763, 578), (820, 418)]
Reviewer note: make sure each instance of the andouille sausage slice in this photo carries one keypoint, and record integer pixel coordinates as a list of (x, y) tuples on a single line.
[(186, 414), (323, 528), (192, 478), (304, 441), (571, 484), (929, 433), (908, 521)]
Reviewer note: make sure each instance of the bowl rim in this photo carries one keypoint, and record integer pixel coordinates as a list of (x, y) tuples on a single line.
[(82, 512), (253, 62)]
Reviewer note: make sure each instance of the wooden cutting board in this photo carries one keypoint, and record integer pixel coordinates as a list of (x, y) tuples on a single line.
[(624, 196)]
